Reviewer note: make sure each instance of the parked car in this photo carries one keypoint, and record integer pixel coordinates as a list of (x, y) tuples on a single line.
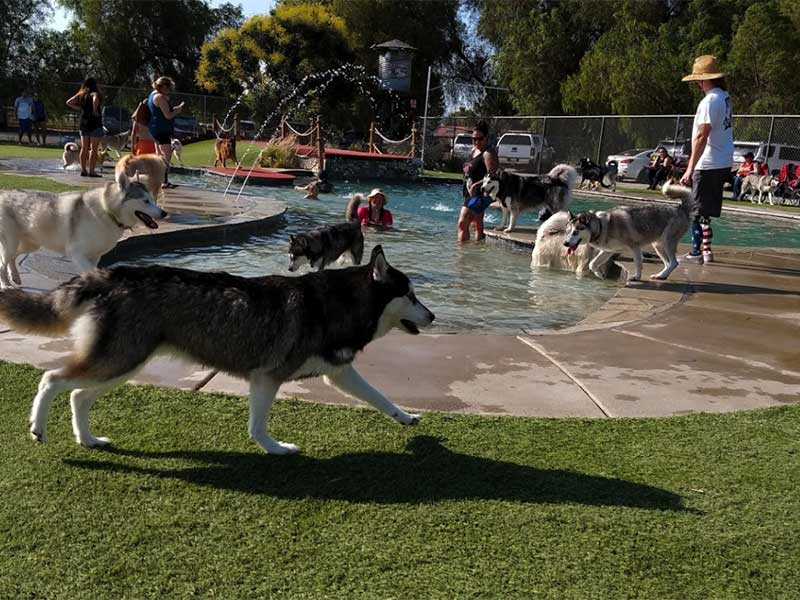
[(679, 151), (779, 154), (247, 130), (185, 127), (116, 119), (631, 163), (462, 147), (522, 150)]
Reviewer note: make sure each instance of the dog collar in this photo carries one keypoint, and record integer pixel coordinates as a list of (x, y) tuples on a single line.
[(116, 221), (599, 234)]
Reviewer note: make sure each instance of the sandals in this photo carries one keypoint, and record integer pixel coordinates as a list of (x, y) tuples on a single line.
[(168, 186), (93, 175)]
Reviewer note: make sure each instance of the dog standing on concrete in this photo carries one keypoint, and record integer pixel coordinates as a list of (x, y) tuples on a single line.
[(267, 330)]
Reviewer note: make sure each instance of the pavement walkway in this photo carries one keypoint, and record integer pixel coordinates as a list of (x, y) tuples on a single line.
[(713, 338)]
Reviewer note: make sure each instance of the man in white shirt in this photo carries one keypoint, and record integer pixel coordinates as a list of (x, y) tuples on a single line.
[(24, 107), (712, 153)]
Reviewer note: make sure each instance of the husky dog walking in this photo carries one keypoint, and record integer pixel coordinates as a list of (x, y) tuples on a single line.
[(518, 193), (631, 227), (81, 225), (267, 330), (324, 245)]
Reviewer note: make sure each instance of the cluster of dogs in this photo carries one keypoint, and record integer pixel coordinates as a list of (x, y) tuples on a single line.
[(110, 142), (267, 330)]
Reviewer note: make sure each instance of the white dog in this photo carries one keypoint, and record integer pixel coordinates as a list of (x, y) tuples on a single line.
[(177, 150), (82, 225), (550, 252), (72, 157)]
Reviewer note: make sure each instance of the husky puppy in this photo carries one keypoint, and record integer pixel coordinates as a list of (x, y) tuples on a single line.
[(594, 176), (151, 165), (115, 142), (549, 249), (631, 227), (267, 330), (322, 246), (517, 193), (760, 184), (82, 225)]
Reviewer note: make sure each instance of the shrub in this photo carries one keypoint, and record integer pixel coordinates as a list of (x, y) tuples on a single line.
[(280, 153)]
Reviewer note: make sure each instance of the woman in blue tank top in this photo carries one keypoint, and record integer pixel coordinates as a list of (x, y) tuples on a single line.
[(162, 117)]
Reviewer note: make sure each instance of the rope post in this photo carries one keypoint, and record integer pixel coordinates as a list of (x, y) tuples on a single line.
[(214, 123), (283, 126), (320, 144), (413, 140), (372, 137), (236, 126)]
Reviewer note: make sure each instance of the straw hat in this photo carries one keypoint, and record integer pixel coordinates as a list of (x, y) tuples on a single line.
[(705, 67), (377, 192)]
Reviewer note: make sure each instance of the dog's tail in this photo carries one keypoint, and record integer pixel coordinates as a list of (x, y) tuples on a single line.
[(71, 147), (351, 212), (50, 314), (673, 190), (566, 174)]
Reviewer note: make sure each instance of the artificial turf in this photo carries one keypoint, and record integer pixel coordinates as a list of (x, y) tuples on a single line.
[(186, 506)]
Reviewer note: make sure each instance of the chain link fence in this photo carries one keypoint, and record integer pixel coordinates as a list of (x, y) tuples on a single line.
[(194, 122), (538, 143)]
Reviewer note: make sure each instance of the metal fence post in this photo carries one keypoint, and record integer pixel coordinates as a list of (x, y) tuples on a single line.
[(425, 120), (600, 142), (769, 142), (675, 138), (541, 147)]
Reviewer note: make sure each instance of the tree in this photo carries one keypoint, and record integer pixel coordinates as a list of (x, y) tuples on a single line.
[(292, 60), (133, 42), (20, 19)]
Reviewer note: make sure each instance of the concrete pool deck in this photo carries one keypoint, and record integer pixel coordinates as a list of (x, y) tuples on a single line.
[(713, 338)]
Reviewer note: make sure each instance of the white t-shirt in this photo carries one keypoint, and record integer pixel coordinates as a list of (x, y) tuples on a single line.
[(24, 107), (715, 109)]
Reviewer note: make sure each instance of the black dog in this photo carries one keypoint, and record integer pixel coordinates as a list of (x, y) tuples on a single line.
[(594, 175)]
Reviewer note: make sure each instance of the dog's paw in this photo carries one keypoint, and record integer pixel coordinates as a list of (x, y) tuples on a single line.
[(599, 274), (405, 418), (94, 442), (39, 435), (282, 448), (508, 230)]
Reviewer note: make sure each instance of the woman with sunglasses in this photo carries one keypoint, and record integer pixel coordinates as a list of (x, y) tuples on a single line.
[(484, 160)]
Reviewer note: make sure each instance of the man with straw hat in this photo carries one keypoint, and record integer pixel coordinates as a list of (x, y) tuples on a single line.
[(712, 153)]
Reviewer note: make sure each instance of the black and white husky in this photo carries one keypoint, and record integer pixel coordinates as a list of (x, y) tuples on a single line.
[(518, 193), (324, 245), (267, 330)]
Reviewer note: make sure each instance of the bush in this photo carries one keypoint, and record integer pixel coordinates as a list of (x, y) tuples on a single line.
[(279, 154)]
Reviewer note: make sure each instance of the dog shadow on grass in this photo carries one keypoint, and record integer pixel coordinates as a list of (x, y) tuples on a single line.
[(428, 472)]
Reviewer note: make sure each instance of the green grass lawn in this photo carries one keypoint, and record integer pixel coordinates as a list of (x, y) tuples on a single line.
[(186, 506), (23, 182), (201, 154), (638, 191), (9, 150)]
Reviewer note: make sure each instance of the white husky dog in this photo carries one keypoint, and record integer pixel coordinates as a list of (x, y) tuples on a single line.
[(550, 252), (82, 225)]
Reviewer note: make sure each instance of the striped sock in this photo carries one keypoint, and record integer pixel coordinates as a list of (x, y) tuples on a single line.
[(708, 233)]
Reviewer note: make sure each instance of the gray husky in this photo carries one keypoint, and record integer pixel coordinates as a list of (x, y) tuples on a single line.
[(631, 227), (517, 193), (267, 330), (323, 245), (82, 225)]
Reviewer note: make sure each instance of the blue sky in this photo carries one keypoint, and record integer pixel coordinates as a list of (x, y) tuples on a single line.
[(249, 8)]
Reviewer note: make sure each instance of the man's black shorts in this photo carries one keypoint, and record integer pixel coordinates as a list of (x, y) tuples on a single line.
[(707, 187)]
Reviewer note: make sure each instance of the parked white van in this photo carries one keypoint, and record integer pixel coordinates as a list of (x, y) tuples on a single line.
[(521, 149)]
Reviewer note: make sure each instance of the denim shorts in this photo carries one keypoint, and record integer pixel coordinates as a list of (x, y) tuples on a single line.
[(25, 125), (94, 133)]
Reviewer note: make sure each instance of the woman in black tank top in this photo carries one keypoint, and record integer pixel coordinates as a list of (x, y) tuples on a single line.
[(473, 177), (87, 102)]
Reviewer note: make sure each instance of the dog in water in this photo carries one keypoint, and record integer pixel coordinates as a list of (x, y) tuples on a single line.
[(152, 166), (82, 225), (517, 193), (594, 176), (71, 157), (324, 245), (267, 330), (549, 249), (631, 228)]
